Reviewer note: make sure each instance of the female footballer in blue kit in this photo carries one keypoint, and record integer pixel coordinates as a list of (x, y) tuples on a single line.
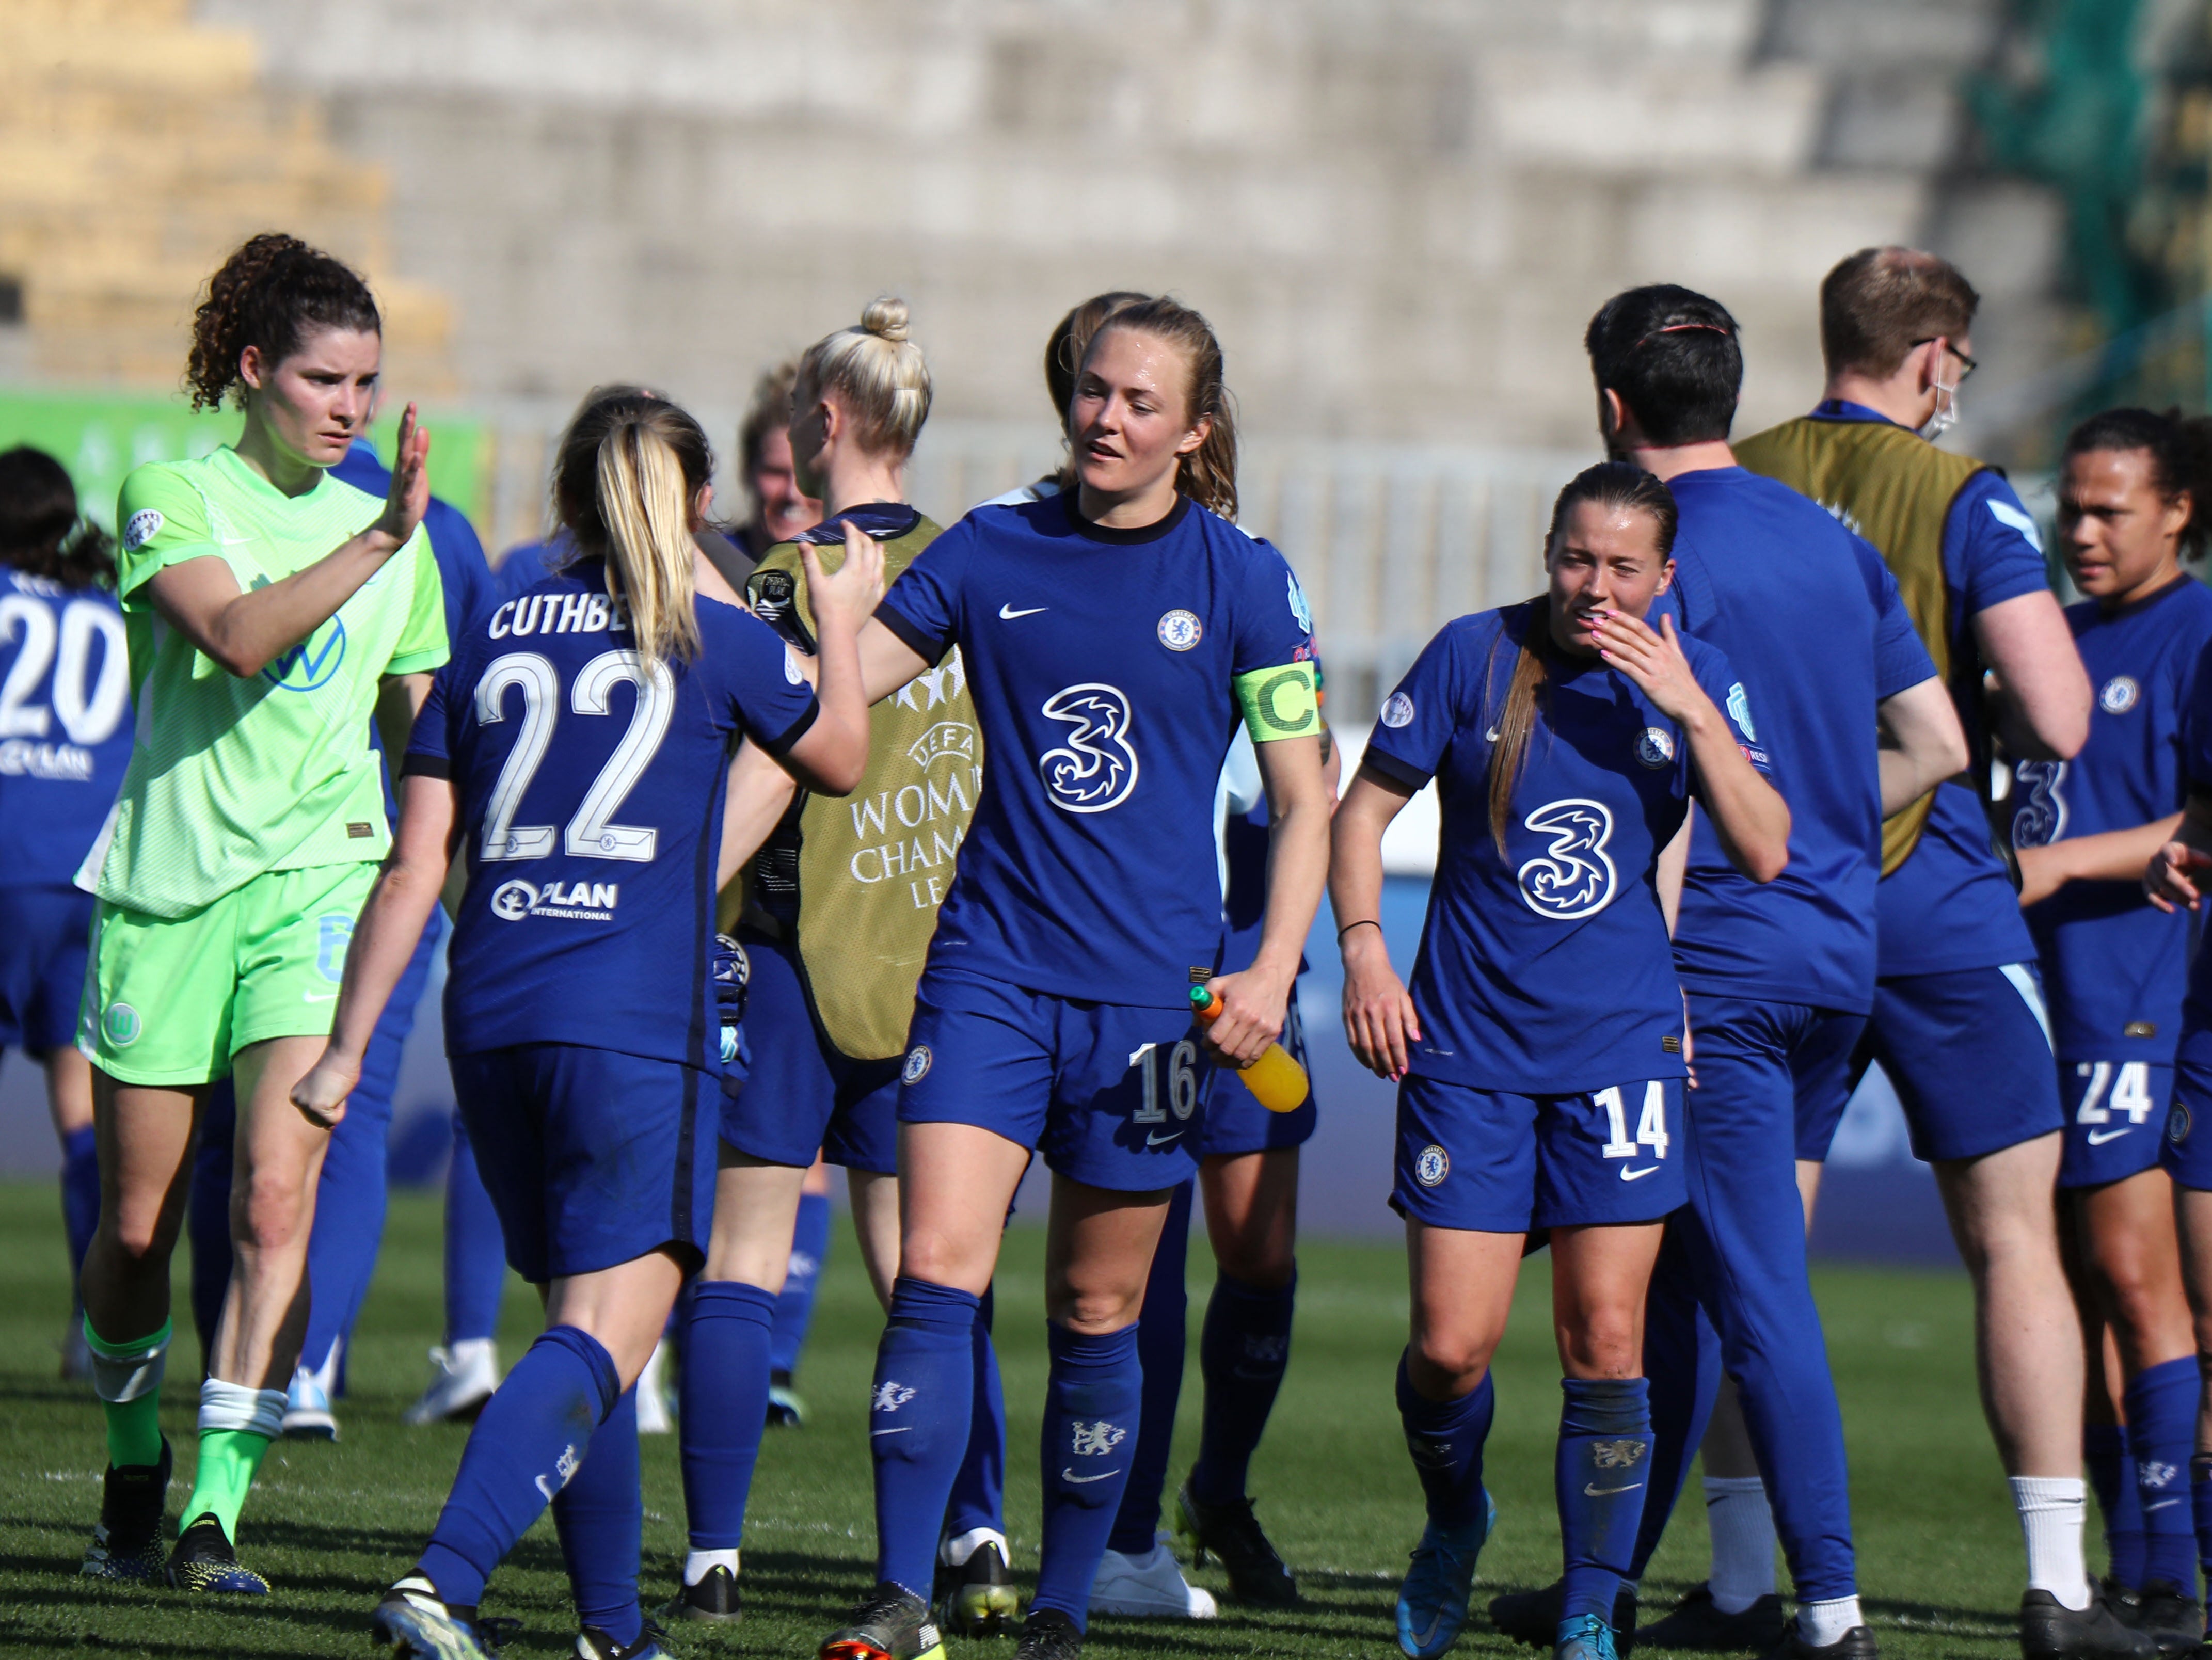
[(1248, 1173), (2114, 969), (578, 746), (1540, 1052), (834, 953), (1111, 635)]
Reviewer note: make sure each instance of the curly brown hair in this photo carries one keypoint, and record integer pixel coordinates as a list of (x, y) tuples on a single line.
[(272, 294)]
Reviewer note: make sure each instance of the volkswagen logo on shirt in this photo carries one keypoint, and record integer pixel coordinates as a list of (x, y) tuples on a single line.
[(1575, 878), (2121, 694), (1096, 769), (308, 666)]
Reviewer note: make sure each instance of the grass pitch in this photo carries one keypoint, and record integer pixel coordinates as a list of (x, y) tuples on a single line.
[(1940, 1553)]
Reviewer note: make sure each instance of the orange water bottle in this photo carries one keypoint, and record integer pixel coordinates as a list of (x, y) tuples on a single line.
[(1277, 1082)]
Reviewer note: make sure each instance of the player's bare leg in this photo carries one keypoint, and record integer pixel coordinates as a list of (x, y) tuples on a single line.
[(876, 1223), (146, 1138)]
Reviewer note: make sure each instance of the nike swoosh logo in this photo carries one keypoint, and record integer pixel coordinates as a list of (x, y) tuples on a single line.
[(1637, 1175), (901, 1430), (1007, 613), (2097, 1138), (1162, 1140), (1591, 1492), (2162, 1504), (317, 996), (1068, 1474)]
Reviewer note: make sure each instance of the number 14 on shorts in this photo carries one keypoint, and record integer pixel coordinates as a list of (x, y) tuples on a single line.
[(1651, 1135)]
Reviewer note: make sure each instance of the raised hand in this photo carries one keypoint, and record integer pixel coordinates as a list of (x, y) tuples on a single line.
[(1653, 660), (409, 498), (848, 596)]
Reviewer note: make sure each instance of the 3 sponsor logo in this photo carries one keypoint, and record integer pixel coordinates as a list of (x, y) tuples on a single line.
[(1575, 878), (1096, 769)]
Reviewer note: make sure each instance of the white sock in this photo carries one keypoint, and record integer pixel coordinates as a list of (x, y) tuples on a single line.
[(1743, 1526), (955, 1552), (700, 1563), (2051, 1510), (1819, 1624), (234, 1407)]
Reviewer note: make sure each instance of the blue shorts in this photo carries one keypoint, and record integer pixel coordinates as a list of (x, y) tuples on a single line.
[(1820, 1074), (2116, 1113), (1237, 1123), (2187, 1155), (45, 934), (1499, 1162), (591, 1158), (804, 1098), (1112, 1096), (1969, 1052)]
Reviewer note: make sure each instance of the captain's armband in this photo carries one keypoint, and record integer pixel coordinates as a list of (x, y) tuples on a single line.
[(1279, 703)]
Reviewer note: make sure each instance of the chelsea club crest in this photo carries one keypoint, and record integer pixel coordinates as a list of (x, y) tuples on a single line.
[(1180, 630), (2121, 694)]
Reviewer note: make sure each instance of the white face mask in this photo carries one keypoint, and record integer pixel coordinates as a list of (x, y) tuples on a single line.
[(1947, 412)]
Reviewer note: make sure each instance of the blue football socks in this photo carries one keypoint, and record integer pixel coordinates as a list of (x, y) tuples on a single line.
[(979, 1491), (1241, 1354), (2200, 1507), (1445, 1439), (80, 1191), (2161, 1435), (2105, 1457), (724, 1406), (920, 1411), (476, 1250), (531, 1441), (1163, 1335), (600, 1518), (1599, 1475), (1092, 1408), (794, 1307)]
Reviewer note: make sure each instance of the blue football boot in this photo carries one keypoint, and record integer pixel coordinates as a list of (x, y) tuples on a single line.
[(1587, 1636), (1433, 1602)]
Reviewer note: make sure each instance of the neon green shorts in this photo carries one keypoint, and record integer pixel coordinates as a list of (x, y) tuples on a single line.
[(170, 1000)]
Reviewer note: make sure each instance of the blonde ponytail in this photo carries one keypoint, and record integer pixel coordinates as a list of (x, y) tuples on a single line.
[(630, 466)]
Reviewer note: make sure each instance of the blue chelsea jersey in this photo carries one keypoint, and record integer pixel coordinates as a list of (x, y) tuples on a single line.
[(1101, 663), (2114, 968), (65, 725), (1810, 618), (591, 798), (1547, 972)]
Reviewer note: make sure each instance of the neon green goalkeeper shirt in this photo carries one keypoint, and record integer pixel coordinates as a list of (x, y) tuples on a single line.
[(233, 776)]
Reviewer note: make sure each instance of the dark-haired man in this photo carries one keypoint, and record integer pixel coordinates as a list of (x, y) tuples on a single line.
[(1958, 1020), (1779, 977)]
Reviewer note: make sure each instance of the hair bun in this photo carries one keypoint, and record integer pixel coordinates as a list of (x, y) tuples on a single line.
[(886, 316)]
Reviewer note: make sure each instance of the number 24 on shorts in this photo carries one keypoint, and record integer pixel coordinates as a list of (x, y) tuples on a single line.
[(1650, 1123)]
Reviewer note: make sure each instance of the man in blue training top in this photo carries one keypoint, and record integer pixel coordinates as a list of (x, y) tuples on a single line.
[(1779, 977), (1957, 1021)]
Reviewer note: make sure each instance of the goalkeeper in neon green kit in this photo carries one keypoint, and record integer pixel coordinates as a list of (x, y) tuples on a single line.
[(273, 611)]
